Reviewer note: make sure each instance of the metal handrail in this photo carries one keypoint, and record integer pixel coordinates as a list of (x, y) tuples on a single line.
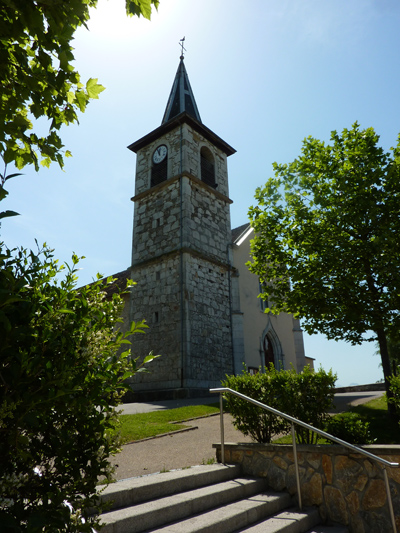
[(294, 421)]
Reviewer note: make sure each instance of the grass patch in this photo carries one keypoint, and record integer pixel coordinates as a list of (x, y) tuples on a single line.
[(383, 430), (145, 425)]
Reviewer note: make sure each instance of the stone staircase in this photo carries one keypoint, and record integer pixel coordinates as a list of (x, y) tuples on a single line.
[(209, 498)]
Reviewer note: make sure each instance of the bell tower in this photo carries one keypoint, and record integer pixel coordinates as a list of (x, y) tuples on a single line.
[(181, 254)]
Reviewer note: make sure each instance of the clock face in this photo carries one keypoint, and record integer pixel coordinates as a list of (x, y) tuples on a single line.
[(160, 154)]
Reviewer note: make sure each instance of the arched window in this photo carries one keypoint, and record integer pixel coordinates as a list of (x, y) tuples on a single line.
[(268, 352), (207, 167), (271, 348)]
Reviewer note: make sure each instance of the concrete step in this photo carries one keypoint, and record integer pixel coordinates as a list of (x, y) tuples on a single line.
[(292, 521), (231, 517), (288, 521), (329, 529), (137, 490), (157, 512), (207, 498), (225, 522)]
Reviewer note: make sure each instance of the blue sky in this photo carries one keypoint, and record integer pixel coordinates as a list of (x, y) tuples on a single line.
[(265, 74)]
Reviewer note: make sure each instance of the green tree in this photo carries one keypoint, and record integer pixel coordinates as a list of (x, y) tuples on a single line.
[(327, 229), (38, 78), (393, 345), (61, 377), (62, 362)]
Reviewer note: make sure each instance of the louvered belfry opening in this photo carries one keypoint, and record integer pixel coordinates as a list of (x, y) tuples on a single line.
[(159, 172), (207, 167)]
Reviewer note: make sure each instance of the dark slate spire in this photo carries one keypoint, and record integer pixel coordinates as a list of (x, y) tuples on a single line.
[(181, 98)]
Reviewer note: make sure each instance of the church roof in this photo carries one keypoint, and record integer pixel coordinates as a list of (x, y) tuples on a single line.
[(181, 98), (240, 233), (119, 283)]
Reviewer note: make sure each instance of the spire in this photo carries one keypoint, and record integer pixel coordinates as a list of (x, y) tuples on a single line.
[(181, 98)]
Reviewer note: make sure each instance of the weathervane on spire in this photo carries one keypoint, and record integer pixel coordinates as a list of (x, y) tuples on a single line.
[(181, 41)]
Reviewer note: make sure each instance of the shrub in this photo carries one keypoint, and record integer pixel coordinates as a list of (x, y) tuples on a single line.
[(394, 382), (306, 396), (251, 420), (61, 376), (349, 427), (309, 397)]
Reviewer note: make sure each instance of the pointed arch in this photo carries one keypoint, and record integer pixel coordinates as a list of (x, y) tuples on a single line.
[(271, 348)]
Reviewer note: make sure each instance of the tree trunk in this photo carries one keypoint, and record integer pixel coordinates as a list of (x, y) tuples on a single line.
[(383, 348)]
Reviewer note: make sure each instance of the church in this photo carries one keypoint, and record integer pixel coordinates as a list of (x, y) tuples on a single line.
[(193, 288)]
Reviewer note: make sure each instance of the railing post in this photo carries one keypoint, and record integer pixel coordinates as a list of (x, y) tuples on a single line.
[(389, 497), (296, 466), (221, 409)]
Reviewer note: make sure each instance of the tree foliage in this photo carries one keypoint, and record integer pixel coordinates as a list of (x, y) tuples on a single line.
[(62, 360), (327, 229), (63, 363), (38, 78)]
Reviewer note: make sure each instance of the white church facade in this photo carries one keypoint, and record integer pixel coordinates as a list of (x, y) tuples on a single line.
[(193, 288)]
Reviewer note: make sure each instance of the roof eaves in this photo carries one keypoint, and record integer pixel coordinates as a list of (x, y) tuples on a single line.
[(177, 121), (240, 234)]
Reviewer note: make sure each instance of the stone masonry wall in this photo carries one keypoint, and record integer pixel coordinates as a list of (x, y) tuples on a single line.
[(155, 298), (348, 488), (156, 223), (206, 220), (144, 159), (193, 141), (183, 157), (209, 355)]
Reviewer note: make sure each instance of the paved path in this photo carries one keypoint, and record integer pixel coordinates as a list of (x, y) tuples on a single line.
[(179, 450), (133, 408), (193, 447), (344, 400)]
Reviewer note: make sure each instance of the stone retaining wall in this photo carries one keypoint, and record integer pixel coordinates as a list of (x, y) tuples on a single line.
[(348, 488)]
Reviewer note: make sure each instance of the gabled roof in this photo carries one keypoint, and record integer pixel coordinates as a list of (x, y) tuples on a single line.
[(240, 233), (181, 98)]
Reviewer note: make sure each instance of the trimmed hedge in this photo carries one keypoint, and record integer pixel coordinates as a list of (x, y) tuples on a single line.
[(307, 396)]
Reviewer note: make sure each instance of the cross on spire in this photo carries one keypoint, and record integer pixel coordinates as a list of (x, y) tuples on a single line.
[(181, 41)]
